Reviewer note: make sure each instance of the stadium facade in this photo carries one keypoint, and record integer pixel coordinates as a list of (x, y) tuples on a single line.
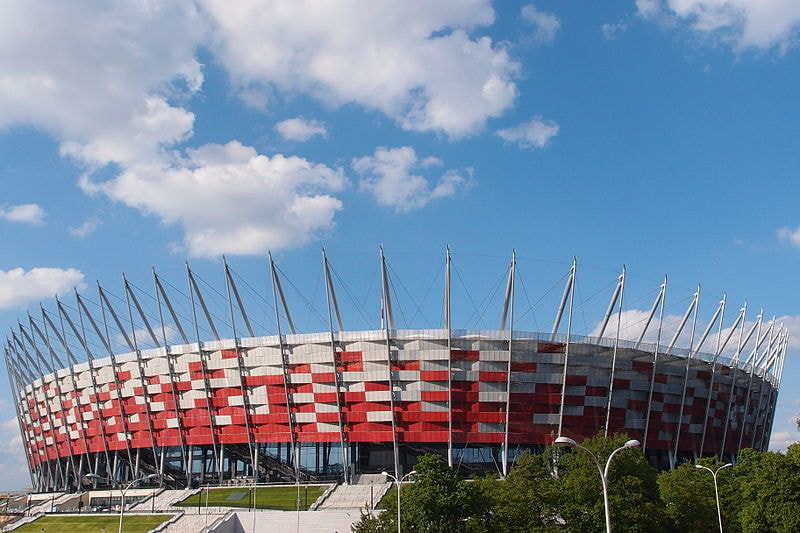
[(336, 403)]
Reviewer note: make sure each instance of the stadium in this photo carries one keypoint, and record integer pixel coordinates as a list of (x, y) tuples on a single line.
[(124, 386)]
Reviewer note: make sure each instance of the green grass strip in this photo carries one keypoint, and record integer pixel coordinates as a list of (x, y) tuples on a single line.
[(283, 498), (93, 524)]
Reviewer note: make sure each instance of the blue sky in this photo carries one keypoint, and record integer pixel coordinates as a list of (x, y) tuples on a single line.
[(659, 134)]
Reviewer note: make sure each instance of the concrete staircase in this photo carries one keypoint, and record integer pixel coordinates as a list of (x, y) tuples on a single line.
[(365, 494), (164, 500), (194, 523)]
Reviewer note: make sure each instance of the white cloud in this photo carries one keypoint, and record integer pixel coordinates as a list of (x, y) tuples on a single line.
[(790, 235), (780, 440), (10, 425), (99, 76), (230, 199), (389, 176), (13, 464), (428, 73), (86, 228), (648, 9), (109, 83), (758, 24), (633, 322), (612, 31), (19, 288), (533, 134), (25, 213), (300, 129), (545, 25), (792, 325)]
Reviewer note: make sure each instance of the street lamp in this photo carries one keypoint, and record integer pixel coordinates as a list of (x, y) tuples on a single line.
[(398, 481), (716, 488), (570, 443), (95, 477)]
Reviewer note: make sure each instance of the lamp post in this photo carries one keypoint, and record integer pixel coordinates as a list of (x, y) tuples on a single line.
[(95, 477), (398, 481), (570, 443), (716, 489)]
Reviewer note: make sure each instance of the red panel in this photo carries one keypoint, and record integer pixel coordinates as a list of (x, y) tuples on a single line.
[(325, 397), (550, 347), (424, 416), (349, 356), (354, 366), (464, 355), (405, 365), (435, 396)]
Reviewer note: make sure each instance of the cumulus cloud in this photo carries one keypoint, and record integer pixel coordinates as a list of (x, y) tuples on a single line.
[(757, 24), (428, 73), (648, 9), (790, 235), (792, 325), (633, 321), (230, 199), (389, 175), (13, 464), (99, 77), (114, 94), (26, 213), (545, 25), (785, 432), (300, 129), (19, 288), (86, 228), (533, 134)]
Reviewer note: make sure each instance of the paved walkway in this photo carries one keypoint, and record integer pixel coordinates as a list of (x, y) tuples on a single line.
[(331, 521)]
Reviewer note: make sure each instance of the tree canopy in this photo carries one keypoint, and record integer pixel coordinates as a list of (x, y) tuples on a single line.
[(560, 490)]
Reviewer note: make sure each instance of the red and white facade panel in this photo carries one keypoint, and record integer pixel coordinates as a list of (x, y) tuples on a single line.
[(419, 386)]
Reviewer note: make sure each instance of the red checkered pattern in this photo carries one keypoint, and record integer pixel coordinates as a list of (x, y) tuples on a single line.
[(302, 391)]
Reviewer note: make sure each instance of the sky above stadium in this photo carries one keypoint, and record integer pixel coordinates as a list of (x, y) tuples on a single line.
[(659, 134)]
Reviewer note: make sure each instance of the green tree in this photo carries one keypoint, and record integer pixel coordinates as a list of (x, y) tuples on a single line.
[(438, 501), (770, 490), (688, 495), (526, 501), (633, 489), (372, 524)]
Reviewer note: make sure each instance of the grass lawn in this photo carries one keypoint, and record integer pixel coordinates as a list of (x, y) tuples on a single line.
[(282, 498), (93, 524)]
